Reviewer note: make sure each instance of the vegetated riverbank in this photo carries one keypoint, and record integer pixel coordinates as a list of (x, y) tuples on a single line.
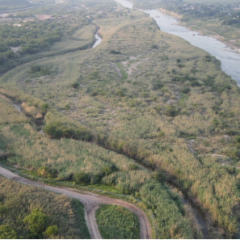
[(151, 115), (202, 31)]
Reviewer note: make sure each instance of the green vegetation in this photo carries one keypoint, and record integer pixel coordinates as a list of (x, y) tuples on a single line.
[(220, 19), (40, 32), (30, 212), (172, 116), (116, 222)]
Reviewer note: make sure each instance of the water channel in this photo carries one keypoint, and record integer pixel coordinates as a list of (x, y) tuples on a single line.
[(98, 40)]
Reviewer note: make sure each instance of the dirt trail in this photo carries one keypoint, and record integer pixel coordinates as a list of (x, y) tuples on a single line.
[(91, 202)]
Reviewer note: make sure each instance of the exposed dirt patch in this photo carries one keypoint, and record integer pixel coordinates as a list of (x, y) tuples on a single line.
[(16, 49), (28, 20), (43, 17), (132, 67)]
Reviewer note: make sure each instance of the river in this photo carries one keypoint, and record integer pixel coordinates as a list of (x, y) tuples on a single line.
[(230, 60), (98, 40)]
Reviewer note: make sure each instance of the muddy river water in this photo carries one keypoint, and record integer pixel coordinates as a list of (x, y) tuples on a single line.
[(230, 60)]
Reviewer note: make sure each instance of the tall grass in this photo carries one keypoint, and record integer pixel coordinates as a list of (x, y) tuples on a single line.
[(20, 200), (133, 117), (116, 222)]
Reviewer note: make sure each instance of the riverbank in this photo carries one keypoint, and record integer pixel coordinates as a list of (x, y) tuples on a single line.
[(202, 32)]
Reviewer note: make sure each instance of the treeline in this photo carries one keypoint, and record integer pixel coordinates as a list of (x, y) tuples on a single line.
[(31, 37), (226, 13), (57, 130)]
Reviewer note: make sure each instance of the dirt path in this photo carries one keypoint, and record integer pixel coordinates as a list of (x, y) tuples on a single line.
[(91, 202)]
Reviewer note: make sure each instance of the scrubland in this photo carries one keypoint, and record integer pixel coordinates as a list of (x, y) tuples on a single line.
[(163, 110), (53, 215)]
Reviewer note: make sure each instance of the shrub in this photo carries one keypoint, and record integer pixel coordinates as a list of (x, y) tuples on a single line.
[(106, 170), (37, 222), (159, 177), (185, 90), (114, 52), (154, 46), (161, 134), (57, 130), (81, 177), (171, 111), (121, 92), (47, 172), (45, 71), (133, 166), (75, 85), (208, 58), (157, 84), (164, 58), (35, 68), (44, 108), (3, 210), (6, 232), (51, 231)]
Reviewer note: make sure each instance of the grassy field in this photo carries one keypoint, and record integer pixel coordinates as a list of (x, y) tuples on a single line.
[(18, 203), (171, 108), (116, 222)]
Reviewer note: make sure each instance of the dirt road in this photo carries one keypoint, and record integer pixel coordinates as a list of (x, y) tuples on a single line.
[(91, 202)]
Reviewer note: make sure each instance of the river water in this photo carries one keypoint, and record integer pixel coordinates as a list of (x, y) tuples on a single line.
[(230, 60), (99, 40)]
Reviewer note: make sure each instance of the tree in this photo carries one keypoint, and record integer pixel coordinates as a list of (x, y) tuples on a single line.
[(51, 231), (6, 232), (36, 221), (44, 107)]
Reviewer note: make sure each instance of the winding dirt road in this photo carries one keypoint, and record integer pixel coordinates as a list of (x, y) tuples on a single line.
[(91, 203)]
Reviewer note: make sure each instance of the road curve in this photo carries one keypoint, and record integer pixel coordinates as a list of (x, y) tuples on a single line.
[(91, 203)]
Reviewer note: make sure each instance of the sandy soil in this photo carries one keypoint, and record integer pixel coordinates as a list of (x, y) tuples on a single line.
[(43, 17), (91, 202), (28, 20)]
